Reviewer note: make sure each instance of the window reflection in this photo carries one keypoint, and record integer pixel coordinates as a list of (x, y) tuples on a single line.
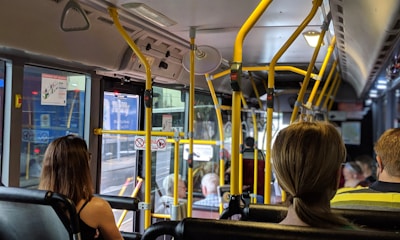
[(53, 105)]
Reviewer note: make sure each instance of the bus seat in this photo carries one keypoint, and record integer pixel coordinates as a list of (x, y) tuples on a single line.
[(36, 214), (378, 220), (248, 175), (124, 203), (161, 228), (131, 236), (200, 229), (199, 211), (121, 202)]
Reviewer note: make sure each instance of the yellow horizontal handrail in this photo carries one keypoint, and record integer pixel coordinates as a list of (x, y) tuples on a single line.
[(266, 68), (195, 141), (100, 131), (158, 215)]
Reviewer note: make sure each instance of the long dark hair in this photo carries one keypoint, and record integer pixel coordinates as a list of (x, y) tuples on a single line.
[(66, 170)]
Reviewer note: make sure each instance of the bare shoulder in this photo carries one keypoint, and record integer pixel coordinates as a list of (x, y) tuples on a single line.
[(98, 207), (99, 204), (98, 214), (96, 211)]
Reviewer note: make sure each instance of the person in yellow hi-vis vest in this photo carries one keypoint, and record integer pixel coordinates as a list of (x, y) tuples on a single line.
[(383, 194)]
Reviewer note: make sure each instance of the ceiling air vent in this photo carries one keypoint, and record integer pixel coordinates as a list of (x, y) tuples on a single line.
[(387, 48)]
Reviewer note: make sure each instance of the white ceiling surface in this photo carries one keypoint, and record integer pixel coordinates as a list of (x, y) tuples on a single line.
[(217, 23), (364, 30)]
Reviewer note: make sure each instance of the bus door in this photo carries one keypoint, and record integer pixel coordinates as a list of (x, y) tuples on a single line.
[(118, 155)]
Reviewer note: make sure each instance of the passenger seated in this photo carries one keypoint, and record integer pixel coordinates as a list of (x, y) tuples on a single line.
[(383, 194), (65, 170), (353, 175), (166, 202), (307, 158), (368, 167), (209, 188)]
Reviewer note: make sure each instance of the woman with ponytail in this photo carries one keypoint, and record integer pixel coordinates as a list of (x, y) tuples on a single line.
[(307, 159)]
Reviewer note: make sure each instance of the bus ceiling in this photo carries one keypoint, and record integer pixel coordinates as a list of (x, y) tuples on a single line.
[(367, 39)]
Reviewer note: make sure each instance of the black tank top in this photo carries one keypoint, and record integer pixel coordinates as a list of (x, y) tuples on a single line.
[(87, 232)]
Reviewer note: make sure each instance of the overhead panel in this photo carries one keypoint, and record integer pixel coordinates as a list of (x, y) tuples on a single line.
[(164, 59)]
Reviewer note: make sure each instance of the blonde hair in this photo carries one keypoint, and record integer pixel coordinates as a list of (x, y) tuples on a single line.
[(168, 184), (211, 182), (66, 170), (307, 158), (388, 149)]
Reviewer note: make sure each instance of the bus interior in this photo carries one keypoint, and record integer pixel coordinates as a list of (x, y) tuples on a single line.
[(124, 57)]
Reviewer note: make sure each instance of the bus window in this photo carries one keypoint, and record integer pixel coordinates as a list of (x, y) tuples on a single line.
[(2, 70), (168, 110), (53, 105), (168, 115), (168, 119), (170, 106)]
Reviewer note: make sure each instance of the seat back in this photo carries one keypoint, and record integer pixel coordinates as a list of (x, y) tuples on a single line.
[(121, 202), (36, 214), (379, 220), (200, 229)]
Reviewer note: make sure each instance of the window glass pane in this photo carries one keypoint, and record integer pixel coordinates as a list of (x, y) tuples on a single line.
[(205, 120), (118, 164), (168, 110), (121, 112), (168, 116), (170, 113), (2, 70), (205, 128), (53, 105)]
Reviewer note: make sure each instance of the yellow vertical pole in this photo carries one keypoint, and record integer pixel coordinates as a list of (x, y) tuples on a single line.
[(326, 84), (174, 212), (148, 95), (270, 97), (255, 178), (321, 73), (266, 157), (236, 69), (240, 167), (191, 120), (256, 136), (221, 135)]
